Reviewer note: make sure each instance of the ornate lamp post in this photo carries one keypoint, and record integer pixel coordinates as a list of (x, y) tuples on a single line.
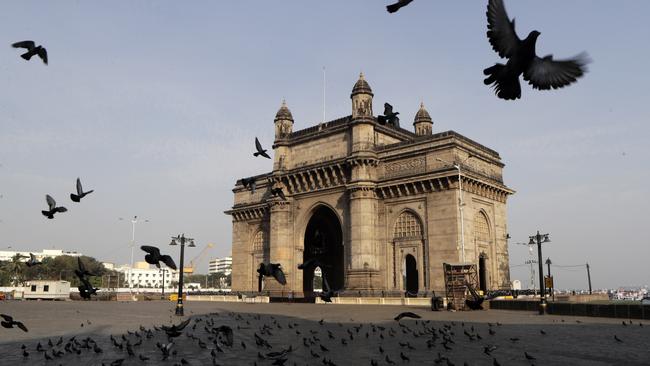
[(539, 239), (175, 241)]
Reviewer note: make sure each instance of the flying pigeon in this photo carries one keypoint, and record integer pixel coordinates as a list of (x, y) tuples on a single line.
[(407, 314), (80, 192), (82, 272), (249, 183), (9, 322), (86, 290), (542, 73), (32, 261), (175, 330), (398, 5), (154, 257), (32, 50), (260, 150), (274, 270), (52, 209)]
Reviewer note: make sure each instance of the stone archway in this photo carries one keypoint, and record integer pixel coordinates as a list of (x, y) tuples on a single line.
[(324, 241)]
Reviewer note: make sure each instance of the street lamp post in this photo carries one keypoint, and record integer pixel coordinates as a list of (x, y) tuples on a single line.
[(539, 239), (175, 241), (548, 265), (134, 221), (461, 203)]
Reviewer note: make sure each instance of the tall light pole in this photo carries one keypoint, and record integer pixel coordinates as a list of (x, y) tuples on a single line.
[(539, 239), (181, 239), (461, 203), (134, 221), (548, 265)]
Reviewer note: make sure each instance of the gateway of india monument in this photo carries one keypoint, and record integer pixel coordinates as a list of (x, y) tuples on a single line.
[(380, 206)]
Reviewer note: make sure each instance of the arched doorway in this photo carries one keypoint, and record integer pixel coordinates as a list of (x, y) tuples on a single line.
[(482, 273), (411, 281), (324, 241)]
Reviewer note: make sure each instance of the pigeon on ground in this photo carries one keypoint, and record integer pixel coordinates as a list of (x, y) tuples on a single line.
[(80, 192), (227, 332), (32, 261), (249, 183), (32, 50), (154, 257), (542, 73), (52, 209), (260, 150), (407, 314), (9, 322), (277, 192), (397, 6)]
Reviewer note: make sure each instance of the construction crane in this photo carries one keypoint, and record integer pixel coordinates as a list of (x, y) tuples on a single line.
[(195, 261)]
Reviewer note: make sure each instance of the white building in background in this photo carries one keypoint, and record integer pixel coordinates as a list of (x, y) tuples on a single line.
[(144, 275), (7, 255), (221, 265)]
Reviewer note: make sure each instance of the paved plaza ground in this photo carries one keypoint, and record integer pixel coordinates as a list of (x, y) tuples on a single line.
[(568, 340)]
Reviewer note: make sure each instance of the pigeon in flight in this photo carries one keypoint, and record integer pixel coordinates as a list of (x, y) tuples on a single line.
[(277, 192), (175, 330), (260, 150), (32, 261), (86, 290), (154, 257), (407, 314), (82, 272), (274, 270), (9, 322), (32, 50), (80, 192), (249, 183), (397, 6), (52, 209), (542, 73)]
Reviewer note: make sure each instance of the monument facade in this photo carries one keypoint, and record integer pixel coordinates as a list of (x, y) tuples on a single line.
[(380, 206)]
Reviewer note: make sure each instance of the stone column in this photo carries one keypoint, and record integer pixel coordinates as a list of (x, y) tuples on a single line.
[(281, 246)]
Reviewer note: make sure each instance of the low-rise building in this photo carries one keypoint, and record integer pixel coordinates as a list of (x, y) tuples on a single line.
[(144, 275), (7, 255), (47, 290)]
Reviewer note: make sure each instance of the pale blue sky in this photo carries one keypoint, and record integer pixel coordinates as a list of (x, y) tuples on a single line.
[(155, 104)]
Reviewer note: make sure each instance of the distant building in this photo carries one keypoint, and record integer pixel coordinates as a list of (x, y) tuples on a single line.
[(108, 265), (47, 290), (221, 265), (143, 275), (7, 255)]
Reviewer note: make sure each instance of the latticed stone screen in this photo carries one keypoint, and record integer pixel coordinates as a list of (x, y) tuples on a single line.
[(259, 242), (481, 227), (407, 226)]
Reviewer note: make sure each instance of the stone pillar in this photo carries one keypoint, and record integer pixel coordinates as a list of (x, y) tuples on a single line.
[(240, 256), (281, 246), (363, 273)]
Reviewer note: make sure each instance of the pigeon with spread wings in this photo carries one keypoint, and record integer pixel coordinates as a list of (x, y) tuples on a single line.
[(154, 257), (80, 192), (32, 261), (542, 73), (397, 6), (32, 50), (52, 208), (9, 322), (260, 150)]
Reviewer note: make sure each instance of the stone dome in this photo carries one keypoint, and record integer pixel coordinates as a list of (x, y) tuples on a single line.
[(361, 86), (422, 115), (283, 113)]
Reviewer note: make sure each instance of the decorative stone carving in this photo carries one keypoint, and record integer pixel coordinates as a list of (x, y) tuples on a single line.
[(405, 167)]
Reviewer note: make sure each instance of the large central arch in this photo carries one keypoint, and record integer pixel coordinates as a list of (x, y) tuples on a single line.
[(324, 241)]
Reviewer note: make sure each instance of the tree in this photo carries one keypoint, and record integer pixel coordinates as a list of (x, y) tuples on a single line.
[(15, 269)]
